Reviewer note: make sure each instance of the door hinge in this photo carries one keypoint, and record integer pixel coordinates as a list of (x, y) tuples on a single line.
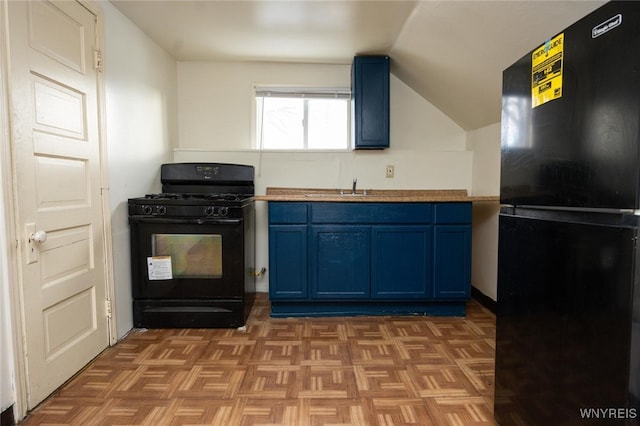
[(109, 310), (97, 60)]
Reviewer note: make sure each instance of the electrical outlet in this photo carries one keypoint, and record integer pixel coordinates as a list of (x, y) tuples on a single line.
[(391, 170)]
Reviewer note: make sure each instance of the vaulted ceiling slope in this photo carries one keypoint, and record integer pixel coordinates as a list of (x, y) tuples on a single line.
[(452, 52)]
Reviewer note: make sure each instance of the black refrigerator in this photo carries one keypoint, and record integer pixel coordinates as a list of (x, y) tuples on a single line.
[(568, 308)]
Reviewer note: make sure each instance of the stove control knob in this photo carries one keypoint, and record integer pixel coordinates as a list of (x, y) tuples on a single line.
[(223, 211), (161, 210), (209, 211), (147, 209)]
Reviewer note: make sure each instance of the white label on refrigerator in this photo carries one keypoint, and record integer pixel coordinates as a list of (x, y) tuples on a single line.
[(159, 268), (606, 26)]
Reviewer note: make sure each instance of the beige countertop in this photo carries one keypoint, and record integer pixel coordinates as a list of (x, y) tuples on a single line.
[(372, 195)]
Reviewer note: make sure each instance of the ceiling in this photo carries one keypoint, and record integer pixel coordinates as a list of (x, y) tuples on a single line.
[(452, 52)]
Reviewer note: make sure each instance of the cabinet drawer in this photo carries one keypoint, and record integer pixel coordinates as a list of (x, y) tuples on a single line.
[(365, 213), (288, 213), (453, 213)]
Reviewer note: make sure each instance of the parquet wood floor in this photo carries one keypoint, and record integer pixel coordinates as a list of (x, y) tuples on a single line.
[(298, 371)]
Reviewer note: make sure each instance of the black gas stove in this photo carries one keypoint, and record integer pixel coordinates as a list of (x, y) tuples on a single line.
[(192, 247), (198, 190)]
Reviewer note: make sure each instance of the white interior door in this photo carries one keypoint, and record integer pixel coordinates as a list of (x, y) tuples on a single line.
[(56, 148)]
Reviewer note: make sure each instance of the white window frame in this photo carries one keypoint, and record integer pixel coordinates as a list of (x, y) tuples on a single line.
[(304, 92)]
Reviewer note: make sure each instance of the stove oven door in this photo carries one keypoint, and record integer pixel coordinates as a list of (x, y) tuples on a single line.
[(187, 259), (187, 272)]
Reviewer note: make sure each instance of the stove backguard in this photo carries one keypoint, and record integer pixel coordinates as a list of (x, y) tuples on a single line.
[(219, 178)]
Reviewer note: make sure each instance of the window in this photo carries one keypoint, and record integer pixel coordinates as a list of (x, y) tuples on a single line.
[(302, 118)]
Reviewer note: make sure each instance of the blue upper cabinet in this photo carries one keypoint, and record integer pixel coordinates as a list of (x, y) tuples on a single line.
[(370, 97)]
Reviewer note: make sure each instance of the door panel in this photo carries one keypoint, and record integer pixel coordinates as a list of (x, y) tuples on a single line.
[(55, 135), (61, 182), (58, 109), (68, 322), (452, 254), (402, 258), (288, 277), (340, 261), (66, 255), (58, 34)]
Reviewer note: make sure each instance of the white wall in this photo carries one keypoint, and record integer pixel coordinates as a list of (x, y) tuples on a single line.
[(215, 99), (428, 150), (140, 80), (485, 144)]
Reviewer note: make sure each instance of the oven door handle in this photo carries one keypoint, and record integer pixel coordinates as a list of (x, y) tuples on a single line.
[(188, 221)]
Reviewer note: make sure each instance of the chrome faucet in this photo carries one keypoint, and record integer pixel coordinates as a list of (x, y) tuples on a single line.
[(353, 188)]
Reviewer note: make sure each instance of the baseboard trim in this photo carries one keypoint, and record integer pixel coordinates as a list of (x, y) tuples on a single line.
[(287, 309), (6, 418), (484, 300)]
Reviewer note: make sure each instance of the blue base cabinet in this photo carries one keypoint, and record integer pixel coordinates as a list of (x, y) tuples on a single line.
[(340, 262), (402, 258), (288, 249), (452, 251), (452, 272), (354, 258), (288, 260)]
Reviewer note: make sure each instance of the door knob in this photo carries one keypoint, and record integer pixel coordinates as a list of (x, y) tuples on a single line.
[(39, 236)]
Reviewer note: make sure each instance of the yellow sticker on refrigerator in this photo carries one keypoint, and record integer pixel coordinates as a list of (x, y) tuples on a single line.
[(546, 71)]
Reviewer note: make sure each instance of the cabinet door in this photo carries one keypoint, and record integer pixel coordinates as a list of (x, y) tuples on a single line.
[(288, 262), (340, 262), (402, 260), (370, 89), (452, 253)]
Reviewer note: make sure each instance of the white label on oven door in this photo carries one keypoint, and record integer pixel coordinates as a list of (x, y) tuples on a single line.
[(159, 268)]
